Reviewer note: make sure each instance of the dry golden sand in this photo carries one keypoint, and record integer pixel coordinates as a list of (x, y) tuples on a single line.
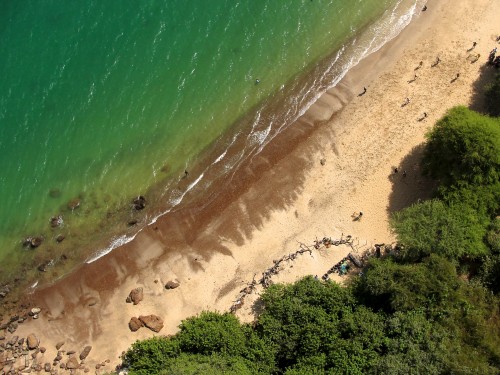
[(361, 144)]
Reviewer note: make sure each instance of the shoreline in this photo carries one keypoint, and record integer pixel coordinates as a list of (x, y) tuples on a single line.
[(58, 260), (284, 195)]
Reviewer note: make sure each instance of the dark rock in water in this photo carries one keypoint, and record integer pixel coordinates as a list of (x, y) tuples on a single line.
[(74, 204), (60, 238), (172, 284), (139, 202), (36, 241), (54, 193), (56, 221), (132, 222), (153, 322), (43, 267), (85, 352), (32, 242), (134, 324), (136, 295)]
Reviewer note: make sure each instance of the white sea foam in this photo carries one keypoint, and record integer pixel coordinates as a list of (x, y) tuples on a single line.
[(115, 242)]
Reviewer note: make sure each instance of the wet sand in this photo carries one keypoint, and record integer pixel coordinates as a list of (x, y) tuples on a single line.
[(285, 195)]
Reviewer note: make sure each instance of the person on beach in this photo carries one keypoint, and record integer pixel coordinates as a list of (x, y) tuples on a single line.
[(406, 102), (185, 174), (438, 60), (474, 44), (419, 65), (363, 93)]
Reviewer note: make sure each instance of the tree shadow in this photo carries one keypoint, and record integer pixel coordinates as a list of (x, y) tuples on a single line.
[(408, 184), (486, 75)]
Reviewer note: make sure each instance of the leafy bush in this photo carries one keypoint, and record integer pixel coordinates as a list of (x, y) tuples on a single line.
[(434, 227), (464, 148), (150, 356), (195, 364)]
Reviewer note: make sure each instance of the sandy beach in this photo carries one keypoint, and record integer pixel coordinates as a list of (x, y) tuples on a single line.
[(337, 159)]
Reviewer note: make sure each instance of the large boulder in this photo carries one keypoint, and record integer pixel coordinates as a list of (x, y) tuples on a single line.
[(136, 295), (72, 363), (134, 324), (153, 322), (32, 341), (172, 284), (85, 352)]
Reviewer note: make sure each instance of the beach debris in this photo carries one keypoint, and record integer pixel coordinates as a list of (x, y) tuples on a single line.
[(172, 284), (153, 322), (134, 324), (74, 204), (265, 281), (32, 341), (139, 202), (85, 352), (136, 295), (355, 260)]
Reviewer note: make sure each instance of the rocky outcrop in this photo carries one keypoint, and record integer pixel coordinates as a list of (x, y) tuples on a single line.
[(136, 295), (153, 322), (134, 324), (172, 284)]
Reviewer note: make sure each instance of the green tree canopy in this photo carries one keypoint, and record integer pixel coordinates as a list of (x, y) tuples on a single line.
[(434, 227), (464, 148)]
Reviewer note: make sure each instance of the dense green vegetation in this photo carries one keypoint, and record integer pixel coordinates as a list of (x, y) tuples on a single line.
[(431, 308)]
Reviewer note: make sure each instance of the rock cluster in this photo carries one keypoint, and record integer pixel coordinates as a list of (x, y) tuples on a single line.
[(153, 322), (25, 355)]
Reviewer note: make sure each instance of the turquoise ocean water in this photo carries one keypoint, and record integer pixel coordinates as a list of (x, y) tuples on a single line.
[(100, 100)]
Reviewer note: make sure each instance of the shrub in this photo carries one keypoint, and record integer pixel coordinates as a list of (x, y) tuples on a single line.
[(464, 148), (434, 227), (493, 96)]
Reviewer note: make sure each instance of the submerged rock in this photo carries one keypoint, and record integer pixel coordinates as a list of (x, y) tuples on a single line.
[(54, 193), (60, 238), (33, 242), (56, 221), (74, 204), (139, 202)]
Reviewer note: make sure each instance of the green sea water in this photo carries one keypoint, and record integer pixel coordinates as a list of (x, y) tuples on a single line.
[(100, 100)]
